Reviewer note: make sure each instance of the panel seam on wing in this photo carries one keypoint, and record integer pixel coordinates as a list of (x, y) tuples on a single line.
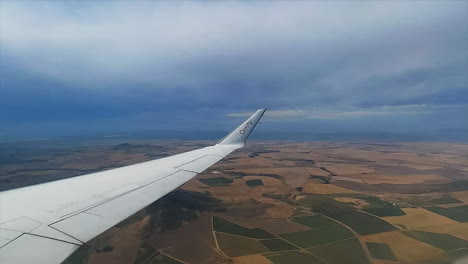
[(110, 199), (56, 239)]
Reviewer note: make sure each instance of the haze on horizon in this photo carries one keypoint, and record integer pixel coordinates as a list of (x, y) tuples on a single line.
[(110, 66)]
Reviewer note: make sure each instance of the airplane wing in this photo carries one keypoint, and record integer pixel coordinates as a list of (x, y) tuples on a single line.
[(45, 223)]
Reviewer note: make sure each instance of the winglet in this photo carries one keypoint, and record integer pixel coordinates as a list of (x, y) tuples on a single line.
[(239, 135)]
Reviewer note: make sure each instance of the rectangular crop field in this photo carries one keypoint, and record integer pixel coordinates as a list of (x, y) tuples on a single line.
[(461, 208), (216, 182), (315, 237), (253, 183), (235, 246), (445, 242), (277, 244), (385, 211), (314, 221), (292, 257), (347, 251), (453, 214), (225, 226), (381, 251), (378, 206), (363, 223)]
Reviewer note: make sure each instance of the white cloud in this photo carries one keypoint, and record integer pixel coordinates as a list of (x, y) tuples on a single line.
[(383, 111)]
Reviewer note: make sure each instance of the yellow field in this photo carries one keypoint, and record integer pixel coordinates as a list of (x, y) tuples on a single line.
[(419, 217), (235, 246), (408, 250), (462, 196), (459, 229), (252, 259)]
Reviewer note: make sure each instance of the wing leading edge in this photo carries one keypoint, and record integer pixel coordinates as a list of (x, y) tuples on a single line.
[(45, 223)]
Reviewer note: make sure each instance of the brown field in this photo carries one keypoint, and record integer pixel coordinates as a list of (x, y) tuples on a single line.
[(235, 246), (248, 210), (317, 171), (125, 242), (408, 250), (419, 217), (421, 166), (197, 249), (311, 187)]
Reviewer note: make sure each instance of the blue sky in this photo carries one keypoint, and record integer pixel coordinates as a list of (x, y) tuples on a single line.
[(110, 66)]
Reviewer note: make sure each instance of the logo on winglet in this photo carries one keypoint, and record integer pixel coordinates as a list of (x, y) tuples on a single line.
[(249, 124)]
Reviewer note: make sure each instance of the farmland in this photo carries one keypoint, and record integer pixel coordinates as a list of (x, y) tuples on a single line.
[(279, 202), (363, 223), (380, 251), (315, 237), (350, 252)]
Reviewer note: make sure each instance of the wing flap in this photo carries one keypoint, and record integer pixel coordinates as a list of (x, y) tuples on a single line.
[(103, 216), (28, 249)]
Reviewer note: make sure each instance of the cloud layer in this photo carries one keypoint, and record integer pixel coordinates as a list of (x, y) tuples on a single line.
[(129, 58)]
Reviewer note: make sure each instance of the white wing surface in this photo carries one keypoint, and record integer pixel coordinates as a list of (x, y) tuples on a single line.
[(45, 223)]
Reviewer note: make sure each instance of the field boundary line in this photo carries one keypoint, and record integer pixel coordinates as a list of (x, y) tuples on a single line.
[(214, 235), (167, 255), (364, 247)]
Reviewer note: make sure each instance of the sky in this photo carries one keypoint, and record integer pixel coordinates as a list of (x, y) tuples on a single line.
[(70, 67)]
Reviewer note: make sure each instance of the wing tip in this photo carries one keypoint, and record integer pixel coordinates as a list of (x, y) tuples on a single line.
[(239, 135)]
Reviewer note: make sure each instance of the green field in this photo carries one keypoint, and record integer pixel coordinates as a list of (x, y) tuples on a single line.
[(445, 200), (235, 246), (216, 182), (385, 211), (452, 213), (225, 226), (443, 241), (324, 204), (253, 183), (315, 237), (363, 223), (292, 257), (277, 244), (314, 221), (381, 251), (377, 206), (348, 251), (461, 208), (459, 254)]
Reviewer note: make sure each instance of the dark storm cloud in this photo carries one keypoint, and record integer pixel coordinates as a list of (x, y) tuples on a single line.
[(111, 59)]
